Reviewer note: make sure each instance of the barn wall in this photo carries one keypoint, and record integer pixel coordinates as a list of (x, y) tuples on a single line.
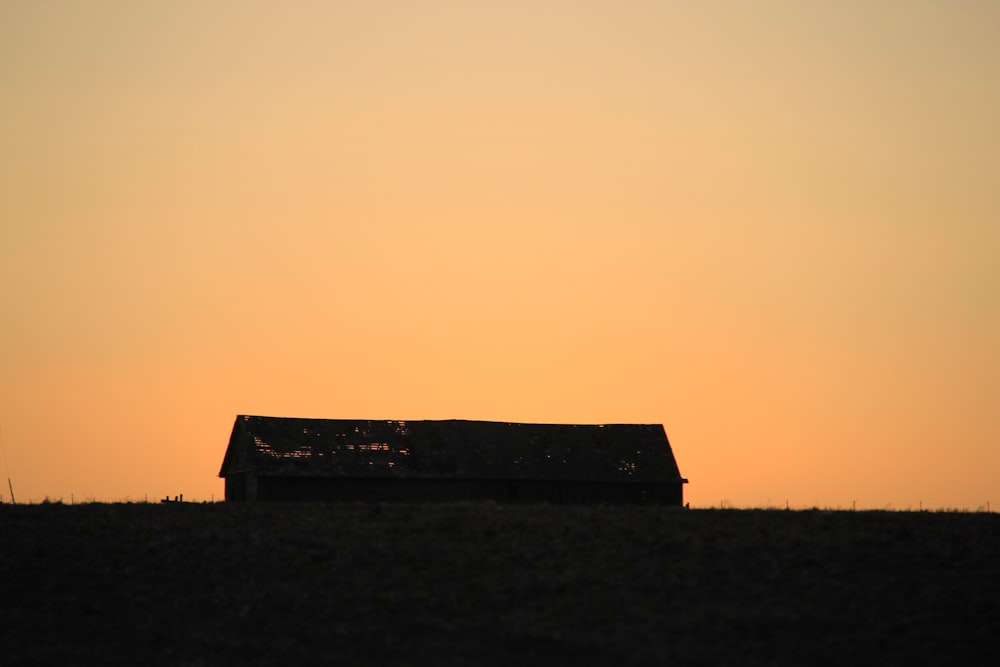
[(420, 490), (241, 486)]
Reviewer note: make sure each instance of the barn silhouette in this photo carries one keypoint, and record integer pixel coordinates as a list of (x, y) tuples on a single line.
[(280, 458)]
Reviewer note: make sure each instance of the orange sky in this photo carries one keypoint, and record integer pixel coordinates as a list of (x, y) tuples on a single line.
[(770, 226)]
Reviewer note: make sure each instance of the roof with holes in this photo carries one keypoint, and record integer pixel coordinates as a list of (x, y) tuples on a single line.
[(449, 449)]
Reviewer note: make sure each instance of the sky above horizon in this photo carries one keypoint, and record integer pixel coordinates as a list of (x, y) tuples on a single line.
[(770, 226)]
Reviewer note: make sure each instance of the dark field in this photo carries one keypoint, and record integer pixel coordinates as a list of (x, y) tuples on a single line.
[(468, 584)]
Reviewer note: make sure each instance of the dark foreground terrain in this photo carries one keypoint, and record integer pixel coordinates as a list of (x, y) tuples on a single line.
[(467, 584)]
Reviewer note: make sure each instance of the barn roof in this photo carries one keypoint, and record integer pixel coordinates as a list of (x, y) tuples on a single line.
[(449, 449)]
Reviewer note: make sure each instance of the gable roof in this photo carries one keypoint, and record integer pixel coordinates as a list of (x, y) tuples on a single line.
[(449, 449)]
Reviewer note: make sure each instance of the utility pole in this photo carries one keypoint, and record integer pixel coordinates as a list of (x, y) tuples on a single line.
[(7, 470)]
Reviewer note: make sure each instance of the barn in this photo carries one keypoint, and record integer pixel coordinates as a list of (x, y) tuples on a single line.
[(290, 459)]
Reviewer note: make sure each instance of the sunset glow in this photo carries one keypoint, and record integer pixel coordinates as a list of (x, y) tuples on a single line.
[(772, 227)]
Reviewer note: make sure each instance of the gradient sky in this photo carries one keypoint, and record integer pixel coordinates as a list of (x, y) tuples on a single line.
[(772, 227)]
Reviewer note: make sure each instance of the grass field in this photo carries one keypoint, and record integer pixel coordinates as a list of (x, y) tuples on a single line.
[(466, 584)]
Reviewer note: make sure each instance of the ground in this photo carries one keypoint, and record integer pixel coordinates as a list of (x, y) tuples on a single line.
[(460, 584)]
